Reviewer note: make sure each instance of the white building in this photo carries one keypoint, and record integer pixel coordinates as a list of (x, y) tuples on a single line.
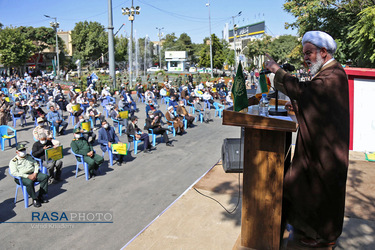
[(176, 60)]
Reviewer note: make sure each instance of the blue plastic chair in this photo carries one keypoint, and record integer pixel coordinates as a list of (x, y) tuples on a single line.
[(40, 161), (171, 127), (80, 161), (185, 123), (136, 142), (200, 116), (218, 109), (5, 136), (119, 125), (53, 128), (93, 121), (110, 155), (71, 117), (24, 191), (14, 118), (151, 132), (191, 107), (5, 90)]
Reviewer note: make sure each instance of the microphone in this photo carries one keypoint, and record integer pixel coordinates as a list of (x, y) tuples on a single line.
[(286, 66)]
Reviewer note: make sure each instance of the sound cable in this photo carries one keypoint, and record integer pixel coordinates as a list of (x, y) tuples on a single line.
[(239, 188)]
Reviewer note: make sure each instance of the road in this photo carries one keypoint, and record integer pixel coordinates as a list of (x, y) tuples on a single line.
[(134, 193)]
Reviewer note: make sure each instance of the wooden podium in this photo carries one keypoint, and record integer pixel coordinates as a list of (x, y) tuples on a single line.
[(267, 147)]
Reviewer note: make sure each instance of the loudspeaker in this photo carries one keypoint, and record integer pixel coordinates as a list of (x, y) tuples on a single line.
[(231, 155)]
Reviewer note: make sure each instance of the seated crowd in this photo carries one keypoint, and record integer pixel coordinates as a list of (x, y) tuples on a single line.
[(51, 111)]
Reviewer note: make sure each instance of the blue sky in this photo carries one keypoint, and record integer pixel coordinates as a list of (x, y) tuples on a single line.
[(189, 16)]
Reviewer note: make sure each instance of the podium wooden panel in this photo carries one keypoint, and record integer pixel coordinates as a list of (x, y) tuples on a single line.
[(266, 149)]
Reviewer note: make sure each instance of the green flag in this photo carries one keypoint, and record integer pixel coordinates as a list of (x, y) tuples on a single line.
[(239, 90), (263, 83)]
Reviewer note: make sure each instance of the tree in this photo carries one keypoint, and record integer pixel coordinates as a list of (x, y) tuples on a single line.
[(280, 48), (336, 17), (42, 38), (89, 40), (257, 49), (218, 56), (121, 48), (363, 37), (15, 48)]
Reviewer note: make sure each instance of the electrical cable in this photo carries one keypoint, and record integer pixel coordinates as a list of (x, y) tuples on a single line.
[(239, 188)]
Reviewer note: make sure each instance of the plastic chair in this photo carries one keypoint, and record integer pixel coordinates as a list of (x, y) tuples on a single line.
[(171, 127), (151, 131), (80, 161), (53, 128), (71, 117), (141, 98), (218, 109), (5, 136), (5, 91), (93, 121), (40, 161), (119, 125), (200, 116), (14, 118), (110, 155), (191, 108), (185, 123), (23, 188), (136, 142), (166, 101)]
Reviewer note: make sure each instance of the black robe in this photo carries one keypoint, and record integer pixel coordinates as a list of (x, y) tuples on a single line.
[(315, 183)]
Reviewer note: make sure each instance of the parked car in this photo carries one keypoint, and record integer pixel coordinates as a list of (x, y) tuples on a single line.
[(153, 69)]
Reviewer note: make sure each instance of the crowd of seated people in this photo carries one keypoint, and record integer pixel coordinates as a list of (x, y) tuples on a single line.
[(45, 102)]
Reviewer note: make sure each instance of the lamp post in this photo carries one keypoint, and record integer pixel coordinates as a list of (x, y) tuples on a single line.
[(111, 46), (131, 12), (234, 39), (55, 25), (160, 36), (209, 23)]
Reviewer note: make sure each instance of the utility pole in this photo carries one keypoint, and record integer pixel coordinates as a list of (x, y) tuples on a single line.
[(111, 46), (209, 22), (160, 35), (234, 40)]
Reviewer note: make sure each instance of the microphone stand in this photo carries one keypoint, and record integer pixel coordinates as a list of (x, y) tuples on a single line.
[(276, 110)]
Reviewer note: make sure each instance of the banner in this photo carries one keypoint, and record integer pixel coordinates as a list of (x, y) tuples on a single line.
[(86, 126), (124, 114), (120, 149), (76, 107), (239, 90), (77, 90), (7, 99), (54, 153)]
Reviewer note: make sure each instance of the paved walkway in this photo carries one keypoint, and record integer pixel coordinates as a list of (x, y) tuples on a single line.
[(197, 222)]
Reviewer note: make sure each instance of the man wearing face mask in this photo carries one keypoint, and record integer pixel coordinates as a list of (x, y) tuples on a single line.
[(24, 166), (135, 131), (43, 129), (19, 111), (107, 137), (80, 146), (4, 110), (86, 134), (54, 117), (39, 152), (69, 108), (153, 122), (94, 113), (181, 111)]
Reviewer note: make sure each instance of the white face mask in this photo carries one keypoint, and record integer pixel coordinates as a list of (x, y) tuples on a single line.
[(136, 122), (43, 142), (77, 136), (151, 116), (22, 154), (105, 126)]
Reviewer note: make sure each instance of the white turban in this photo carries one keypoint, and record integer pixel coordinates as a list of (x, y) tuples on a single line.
[(320, 39)]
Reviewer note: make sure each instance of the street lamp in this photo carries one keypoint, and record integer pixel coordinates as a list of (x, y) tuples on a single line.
[(55, 25), (234, 39), (209, 23), (160, 35), (131, 12)]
